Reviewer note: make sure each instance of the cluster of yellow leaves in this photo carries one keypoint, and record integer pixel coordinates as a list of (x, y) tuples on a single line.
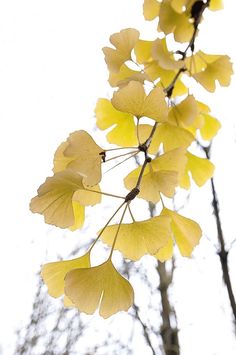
[(62, 197), (156, 125), (155, 236), (88, 288), (175, 16)]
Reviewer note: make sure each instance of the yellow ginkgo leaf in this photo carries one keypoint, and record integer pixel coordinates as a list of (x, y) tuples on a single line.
[(153, 182), (201, 170), (173, 160), (82, 155), (133, 99), (155, 72), (210, 127), (143, 51), (125, 75), (184, 113), (216, 5), (181, 5), (55, 198), (171, 21), (165, 58), (214, 67), (161, 175), (100, 286), (54, 273), (187, 233), (60, 161), (79, 215), (139, 238), (166, 252), (124, 132), (124, 42), (151, 9), (172, 137)]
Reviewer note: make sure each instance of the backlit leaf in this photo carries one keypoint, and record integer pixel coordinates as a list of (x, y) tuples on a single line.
[(54, 273), (213, 68), (99, 287), (55, 198), (124, 41), (124, 131), (171, 21), (165, 58), (139, 238), (160, 176), (184, 113), (187, 233), (125, 75), (151, 9), (133, 99), (81, 154), (172, 137), (201, 170)]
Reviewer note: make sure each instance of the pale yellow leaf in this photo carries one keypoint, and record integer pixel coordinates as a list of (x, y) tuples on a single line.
[(165, 58), (184, 113), (133, 99), (124, 42), (151, 9), (201, 170), (187, 233), (54, 273), (99, 287), (139, 238), (55, 197), (124, 131)]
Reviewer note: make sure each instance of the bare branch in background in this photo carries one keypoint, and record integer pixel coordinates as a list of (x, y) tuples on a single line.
[(223, 252)]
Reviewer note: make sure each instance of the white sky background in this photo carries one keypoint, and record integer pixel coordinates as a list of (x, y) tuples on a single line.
[(52, 72)]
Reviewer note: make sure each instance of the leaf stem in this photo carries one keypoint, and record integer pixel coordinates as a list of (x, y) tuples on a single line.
[(105, 193), (100, 233), (118, 229), (119, 156)]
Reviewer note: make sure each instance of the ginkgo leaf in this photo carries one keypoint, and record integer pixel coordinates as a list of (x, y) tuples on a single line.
[(187, 233), (160, 176), (184, 113), (143, 51), (166, 252), (171, 21), (151, 9), (139, 238), (99, 287), (124, 132), (165, 58), (172, 137), (133, 99), (124, 42), (81, 154), (216, 5), (55, 198), (207, 124), (181, 5), (125, 75), (174, 160), (89, 197), (211, 68), (210, 127), (54, 273), (154, 72), (79, 215), (201, 170)]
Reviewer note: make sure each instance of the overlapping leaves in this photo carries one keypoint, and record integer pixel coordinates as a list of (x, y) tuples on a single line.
[(153, 111)]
